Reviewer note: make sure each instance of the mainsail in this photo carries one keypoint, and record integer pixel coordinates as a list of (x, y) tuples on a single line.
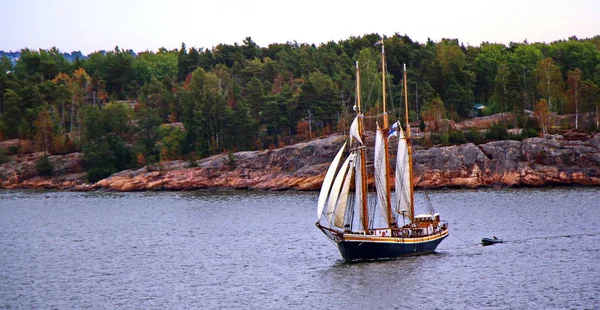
[(381, 160), (402, 182)]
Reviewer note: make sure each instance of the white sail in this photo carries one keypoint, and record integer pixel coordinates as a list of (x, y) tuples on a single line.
[(354, 130), (358, 197), (340, 209), (326, 187), (335, 189), (381, 172), (402, 180)]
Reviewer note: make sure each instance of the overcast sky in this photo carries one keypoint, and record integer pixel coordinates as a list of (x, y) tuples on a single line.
[(150, 24)]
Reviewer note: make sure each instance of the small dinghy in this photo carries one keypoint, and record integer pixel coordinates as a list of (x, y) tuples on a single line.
[(490, 241)]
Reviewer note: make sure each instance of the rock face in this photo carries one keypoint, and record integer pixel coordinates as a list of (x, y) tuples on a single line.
[(532, 162), (300, 167), (21, 172)]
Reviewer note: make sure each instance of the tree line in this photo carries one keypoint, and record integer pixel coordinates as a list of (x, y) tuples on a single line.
[(126, 110)]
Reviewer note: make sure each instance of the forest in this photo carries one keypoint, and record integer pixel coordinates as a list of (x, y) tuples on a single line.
[(126, 110)]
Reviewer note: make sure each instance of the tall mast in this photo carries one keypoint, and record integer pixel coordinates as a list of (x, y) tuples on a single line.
[(388, 195), (385, 115), (409, 145), (363, 156)]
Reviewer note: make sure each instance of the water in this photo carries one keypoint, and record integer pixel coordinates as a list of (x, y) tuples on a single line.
[(230, 249)]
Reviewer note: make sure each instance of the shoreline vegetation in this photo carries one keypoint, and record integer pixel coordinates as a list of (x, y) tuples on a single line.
[(250, 117), (533, 162)]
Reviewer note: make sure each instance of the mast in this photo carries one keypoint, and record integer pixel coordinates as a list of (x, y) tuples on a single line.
[(409, 146), (385, 115), (388, 196), (363, 156)]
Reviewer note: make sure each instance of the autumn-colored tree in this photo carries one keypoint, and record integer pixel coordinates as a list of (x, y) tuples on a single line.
[(77, 85), (550, 83), (44, 135), (434, 111), (302, 128), (542, 113)]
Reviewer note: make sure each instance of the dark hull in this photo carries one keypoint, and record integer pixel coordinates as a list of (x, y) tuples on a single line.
[(490, 241), (355, 250)]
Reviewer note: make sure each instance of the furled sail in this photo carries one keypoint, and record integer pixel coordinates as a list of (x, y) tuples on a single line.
[(340, 208), (326, 187), (402, 181), (381, 172), (335, 189)]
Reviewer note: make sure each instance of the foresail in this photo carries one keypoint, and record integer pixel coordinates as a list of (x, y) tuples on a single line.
[(335, 189), (340, 209), (326, 187), (381, 172), (354, 130), (402, 180)]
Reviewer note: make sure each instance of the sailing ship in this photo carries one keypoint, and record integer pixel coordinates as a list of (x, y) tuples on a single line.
[(383, 225)]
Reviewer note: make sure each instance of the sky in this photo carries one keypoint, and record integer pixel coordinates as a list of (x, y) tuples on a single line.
[(140, 25)]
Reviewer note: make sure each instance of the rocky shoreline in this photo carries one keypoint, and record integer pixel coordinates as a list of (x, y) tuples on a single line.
[(549, 161)]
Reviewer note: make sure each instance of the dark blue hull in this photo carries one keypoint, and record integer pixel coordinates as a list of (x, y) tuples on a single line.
[(368, 250), (490, 241)]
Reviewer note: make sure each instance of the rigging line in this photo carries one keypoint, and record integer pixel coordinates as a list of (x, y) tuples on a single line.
[(372, 85), (457, 237), (389, 84)]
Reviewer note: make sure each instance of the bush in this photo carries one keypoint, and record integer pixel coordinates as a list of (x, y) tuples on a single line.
[(439, 138), (13, 149), (422, 125), (497, 131), (457, 137), (230, 160), (474, 136), (4, 158), (96, 174), (44, 167), (529, 133)]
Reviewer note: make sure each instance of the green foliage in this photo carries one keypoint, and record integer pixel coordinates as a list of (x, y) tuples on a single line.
[(171, 142), (230, 160), (242, 96), (44, 167), (529, 133), (497, 131), (13, 149), (456, 137), (439, 139), (12, 116), (319, 96), (474, 136), (4, 158), (147, 124), (104, 149)]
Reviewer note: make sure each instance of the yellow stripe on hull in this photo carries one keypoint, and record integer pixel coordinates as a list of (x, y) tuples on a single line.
[(369, 238)]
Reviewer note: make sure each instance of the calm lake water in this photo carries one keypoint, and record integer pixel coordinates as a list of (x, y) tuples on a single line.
[(261, 250)]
